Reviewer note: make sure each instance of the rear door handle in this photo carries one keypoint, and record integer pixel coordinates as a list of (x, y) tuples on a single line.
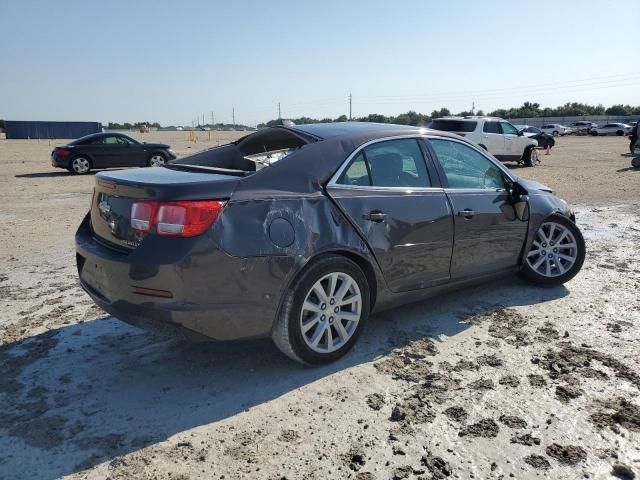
[(466, 213), (375, 216)]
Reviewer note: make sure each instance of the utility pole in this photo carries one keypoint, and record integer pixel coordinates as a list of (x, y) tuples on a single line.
[(350, 99), (203, 119), (212, 120), (233, 116), (473, 108), (279, 114)]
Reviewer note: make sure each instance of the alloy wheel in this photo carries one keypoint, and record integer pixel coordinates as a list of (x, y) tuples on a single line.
[(80, 165), (156, 160), (554, 250), (330, 312)]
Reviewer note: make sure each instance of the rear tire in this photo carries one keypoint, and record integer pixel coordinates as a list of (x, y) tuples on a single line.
[(556, 133), (556, 254), (80, 165), (157, 159), (620, 133), (594, 133), (310, 328), (635, 162)]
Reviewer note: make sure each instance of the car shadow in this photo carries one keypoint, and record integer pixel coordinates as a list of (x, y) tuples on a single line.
[(44, 175), (83, 394), (627, 169)]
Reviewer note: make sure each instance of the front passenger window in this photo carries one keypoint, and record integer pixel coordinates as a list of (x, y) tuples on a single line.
[(465, 167), (508, 129)]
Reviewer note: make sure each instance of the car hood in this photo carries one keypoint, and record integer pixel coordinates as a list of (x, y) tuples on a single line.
[(533, 185)]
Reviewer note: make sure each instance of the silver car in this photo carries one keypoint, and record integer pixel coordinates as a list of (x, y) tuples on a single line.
[(619, 129)]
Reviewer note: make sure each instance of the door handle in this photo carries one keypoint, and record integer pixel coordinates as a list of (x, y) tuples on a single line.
[(467, 213), (375, 216)]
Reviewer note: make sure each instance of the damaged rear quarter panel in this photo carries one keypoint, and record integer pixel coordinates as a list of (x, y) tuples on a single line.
[(317, 224)]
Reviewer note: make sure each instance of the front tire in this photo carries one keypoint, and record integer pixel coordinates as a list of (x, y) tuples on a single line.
[(556, 133), (556, 254), (80, 166), (323, 312), (530, 157), (594, 133), (620, 133)]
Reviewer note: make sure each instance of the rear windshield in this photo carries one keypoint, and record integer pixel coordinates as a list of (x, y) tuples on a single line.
[(453, 125)]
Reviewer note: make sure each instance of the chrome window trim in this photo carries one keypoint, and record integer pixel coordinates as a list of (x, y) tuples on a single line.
[(333, 180)]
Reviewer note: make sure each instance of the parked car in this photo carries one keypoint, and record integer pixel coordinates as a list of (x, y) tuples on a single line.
[(556, 129), (495, 135), (544, 139), (106, 150), (299, 232), (619, 129), (583, 127)]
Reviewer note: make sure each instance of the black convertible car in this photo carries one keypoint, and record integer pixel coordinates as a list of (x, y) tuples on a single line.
[(106, 150), (298, 232)]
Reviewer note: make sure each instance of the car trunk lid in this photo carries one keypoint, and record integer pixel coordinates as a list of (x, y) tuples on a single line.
[(116, 192)]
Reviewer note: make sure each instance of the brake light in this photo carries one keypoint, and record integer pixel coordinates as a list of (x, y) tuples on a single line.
[(142, 215), (62, 152), (179, 219)]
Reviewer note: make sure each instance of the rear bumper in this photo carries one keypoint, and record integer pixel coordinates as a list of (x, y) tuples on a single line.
[(212, 295), (59, 162)]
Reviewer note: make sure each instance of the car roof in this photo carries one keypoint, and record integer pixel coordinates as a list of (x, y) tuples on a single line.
[(469, 117), (348, 129)]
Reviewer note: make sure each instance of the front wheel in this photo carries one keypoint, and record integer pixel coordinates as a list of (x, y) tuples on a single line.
[(594, 133), (531, 157), (323, 312), (556, 254), (620, 133)]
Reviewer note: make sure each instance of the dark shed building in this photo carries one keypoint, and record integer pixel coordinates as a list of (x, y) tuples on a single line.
[(27, 129)]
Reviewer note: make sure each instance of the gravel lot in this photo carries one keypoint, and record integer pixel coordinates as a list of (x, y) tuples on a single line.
[(502, 380)]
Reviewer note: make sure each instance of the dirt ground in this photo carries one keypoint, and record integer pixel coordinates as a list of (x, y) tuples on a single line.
[(503, 380)]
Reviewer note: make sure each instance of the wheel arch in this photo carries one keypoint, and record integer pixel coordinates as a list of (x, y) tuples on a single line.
[(535, 220), (363, 263)]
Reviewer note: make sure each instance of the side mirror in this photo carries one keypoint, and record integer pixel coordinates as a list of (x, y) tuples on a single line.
[(520, 200), (520, 133)]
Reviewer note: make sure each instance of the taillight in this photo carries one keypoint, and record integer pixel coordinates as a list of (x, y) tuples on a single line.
[(142, 214), (179, 219), (62, 152)]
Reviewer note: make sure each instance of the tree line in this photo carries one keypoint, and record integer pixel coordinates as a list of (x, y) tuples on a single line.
[(527, 110)]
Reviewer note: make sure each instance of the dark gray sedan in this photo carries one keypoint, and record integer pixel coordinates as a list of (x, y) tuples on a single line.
[(299, 232), (107, 150)]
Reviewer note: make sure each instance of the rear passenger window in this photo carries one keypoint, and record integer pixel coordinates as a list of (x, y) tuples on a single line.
[(491, 127), (397, 163), (356, 173)]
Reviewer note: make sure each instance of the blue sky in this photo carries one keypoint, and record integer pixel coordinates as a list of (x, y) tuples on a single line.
[(172, 61)]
